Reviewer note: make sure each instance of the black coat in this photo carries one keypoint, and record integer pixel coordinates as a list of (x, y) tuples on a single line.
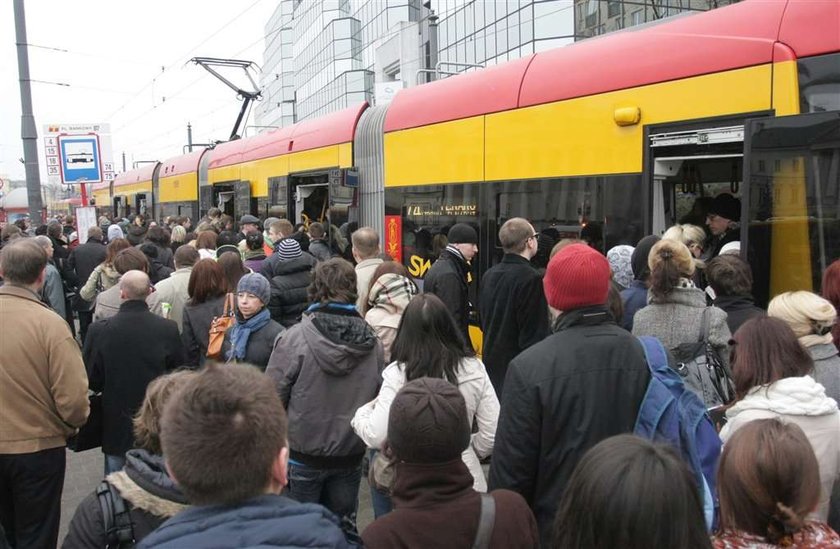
[(739, 309), (195, 334), (514, 314), (149, 493), (562, 396), (447, 279), (731, 235), (122, 355), (289, 280), (260, 344), (84, 259)]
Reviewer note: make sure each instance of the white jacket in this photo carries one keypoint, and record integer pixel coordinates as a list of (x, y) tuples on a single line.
[(371, 420), (802, 401)]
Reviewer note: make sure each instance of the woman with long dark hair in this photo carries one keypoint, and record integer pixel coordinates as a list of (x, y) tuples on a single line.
[(630, 493), (771, 372), (207, 289), (429, 344)]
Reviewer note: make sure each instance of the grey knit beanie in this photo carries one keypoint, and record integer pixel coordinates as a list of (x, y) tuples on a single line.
[(256, 284)]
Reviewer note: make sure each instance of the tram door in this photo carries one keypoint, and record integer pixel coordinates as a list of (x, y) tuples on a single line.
[(311, 203), (691, 167)]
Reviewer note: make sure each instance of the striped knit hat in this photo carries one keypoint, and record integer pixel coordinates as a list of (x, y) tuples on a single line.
[(288, 249)]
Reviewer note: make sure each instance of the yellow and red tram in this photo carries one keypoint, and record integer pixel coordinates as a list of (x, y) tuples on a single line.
[(610, 138)]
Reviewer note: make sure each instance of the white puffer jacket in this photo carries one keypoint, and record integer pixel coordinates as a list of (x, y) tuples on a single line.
[(371, 420), (799, 400)]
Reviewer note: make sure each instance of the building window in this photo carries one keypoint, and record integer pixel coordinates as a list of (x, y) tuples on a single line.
[(636, 17), (613, 8)]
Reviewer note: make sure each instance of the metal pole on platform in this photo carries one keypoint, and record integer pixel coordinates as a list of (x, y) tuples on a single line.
[(27, 120)]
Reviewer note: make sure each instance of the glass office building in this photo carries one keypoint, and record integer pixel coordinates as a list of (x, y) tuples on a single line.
[(324, 55)]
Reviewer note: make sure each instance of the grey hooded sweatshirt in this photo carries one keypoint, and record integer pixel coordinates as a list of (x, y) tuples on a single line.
[(324, 369)]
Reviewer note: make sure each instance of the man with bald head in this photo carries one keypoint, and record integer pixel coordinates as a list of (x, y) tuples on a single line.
[(122, 355)]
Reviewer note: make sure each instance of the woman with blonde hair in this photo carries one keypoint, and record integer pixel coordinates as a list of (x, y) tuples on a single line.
[(149, 494), (692, 236), (677, 313), (811, 318)]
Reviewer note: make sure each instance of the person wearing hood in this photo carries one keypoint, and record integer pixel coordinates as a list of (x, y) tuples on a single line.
[(252, 337), (151, 496), (437, 505), (114, 232), (388, 295), (772, 373), (324, 369), (634, 297)]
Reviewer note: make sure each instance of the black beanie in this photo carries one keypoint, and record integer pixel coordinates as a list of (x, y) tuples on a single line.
[(428, 422), (461, 233), (639, 259), (726, 206)]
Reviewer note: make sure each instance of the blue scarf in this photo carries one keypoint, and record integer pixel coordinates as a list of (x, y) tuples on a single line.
[(241, 332), (343, 306)]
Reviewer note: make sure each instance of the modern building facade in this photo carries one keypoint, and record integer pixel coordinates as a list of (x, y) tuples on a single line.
[(596, 17), (324, 55)]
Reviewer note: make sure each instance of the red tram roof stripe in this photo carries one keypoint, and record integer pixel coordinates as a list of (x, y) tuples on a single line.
[(143, 173), (736, 36)]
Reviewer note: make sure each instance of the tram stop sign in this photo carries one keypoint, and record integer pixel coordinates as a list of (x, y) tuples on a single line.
[(78, 153)]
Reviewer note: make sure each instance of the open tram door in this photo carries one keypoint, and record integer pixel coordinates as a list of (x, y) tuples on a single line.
[(329, 197), (688, 168)]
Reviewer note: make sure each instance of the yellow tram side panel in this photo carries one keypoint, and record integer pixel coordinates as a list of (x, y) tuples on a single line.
[(178, 188), (259, 171), (102, 197), (790, 248), (575, 137)]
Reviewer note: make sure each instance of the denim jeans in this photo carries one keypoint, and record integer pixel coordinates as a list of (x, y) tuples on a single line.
[(335, 489), (381, 501), (113, 463)]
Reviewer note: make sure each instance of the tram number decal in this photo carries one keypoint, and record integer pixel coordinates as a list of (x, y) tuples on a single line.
[(417, 266)]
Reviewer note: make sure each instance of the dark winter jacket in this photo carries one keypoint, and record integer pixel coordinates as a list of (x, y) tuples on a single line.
[(166, 256), (514, 314), (196, 328), (738, 309), (289, 280), (319, 250), (123, 354), (149, 493), (718, 242), (325, 368), (264, 521), (633, 299), (260, 344), (84, 259), (158, 270), (436, 506), (562, 396), (448, 279)]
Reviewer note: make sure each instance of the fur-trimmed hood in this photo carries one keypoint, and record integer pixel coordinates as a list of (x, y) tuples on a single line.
[(146, 485)]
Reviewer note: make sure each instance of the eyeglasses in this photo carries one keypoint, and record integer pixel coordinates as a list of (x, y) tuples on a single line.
[(534, 236)]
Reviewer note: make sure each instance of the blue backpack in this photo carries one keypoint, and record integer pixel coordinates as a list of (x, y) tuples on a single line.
[(674, 415)]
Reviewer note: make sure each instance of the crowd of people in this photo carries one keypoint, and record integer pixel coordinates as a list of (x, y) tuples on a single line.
[(249, 374)]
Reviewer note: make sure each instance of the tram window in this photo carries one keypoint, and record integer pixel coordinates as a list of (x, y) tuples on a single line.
[(794, 209), (819, 83)]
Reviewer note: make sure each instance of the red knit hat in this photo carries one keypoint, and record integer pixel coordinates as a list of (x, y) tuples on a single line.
[(576, 277)]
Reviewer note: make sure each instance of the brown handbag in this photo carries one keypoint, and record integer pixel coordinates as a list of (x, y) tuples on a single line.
[(219, 326)]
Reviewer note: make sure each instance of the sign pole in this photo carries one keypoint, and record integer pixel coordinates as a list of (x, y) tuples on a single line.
[(84, 195)]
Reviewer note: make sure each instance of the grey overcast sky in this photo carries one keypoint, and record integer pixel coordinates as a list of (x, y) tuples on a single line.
[(126, 65)]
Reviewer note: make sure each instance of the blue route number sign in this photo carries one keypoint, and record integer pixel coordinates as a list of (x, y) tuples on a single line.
[(80, 162)]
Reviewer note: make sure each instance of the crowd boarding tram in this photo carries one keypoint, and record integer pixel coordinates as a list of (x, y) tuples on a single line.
[(608, 139)]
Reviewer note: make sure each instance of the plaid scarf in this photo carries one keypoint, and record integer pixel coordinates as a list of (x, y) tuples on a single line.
[(392, 291)]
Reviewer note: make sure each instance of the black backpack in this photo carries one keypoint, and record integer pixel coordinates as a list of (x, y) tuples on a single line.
[(116, 517)]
